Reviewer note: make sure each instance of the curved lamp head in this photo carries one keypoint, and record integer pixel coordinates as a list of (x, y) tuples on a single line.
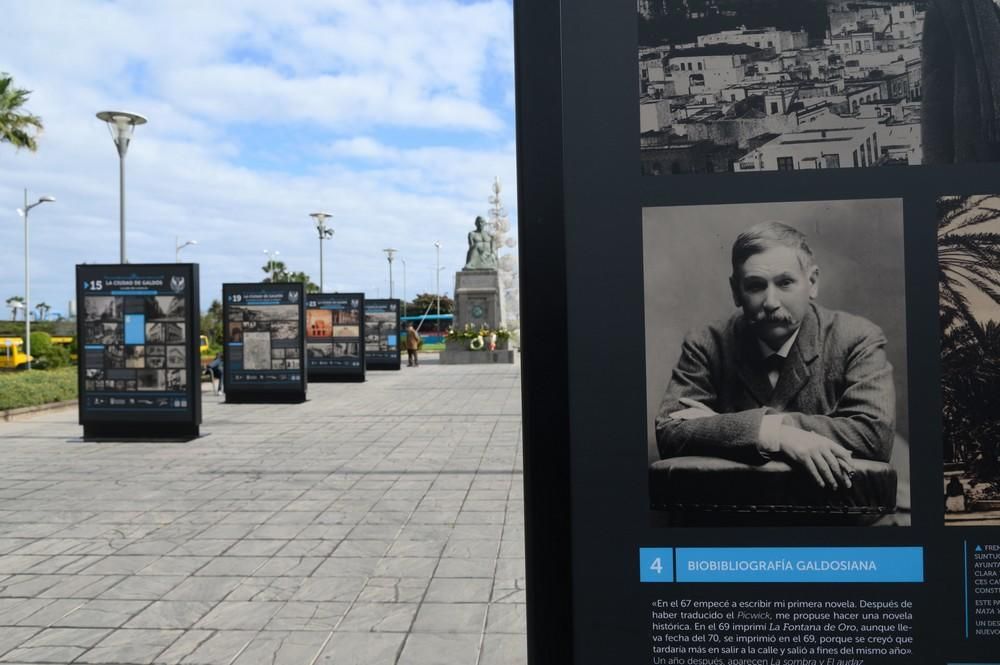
[(121, 124)]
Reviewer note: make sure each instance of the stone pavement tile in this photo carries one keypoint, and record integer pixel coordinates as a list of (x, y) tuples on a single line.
[(239, 615), (142, 587), (416, 548), (506, 618), (239, 566), (255, 547), (207, 588), (360, 567), (330, 589), (282, 648), (81, 586), (288, 566), (102, 614), (266, 588), (394, 590), (472, 549), (311, 616), (308, 548), (406, 566), (353, 547), (120, 565), (51, 612), (466, 567), (176, 565), (476, 517), (508, 591), (504, 650), (428, 649), (379, 618), (512, 548), (476, 532), (218, 647), (374, 532), (203, 547), (11, 637), (361, 649), (227, 531), (55, 645), (183, 646), (27, 586), (510, 569), (450, 618), (459, 590), (130, 646), (166, 614)]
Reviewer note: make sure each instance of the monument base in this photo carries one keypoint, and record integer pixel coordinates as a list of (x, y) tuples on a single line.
[(464, 357)]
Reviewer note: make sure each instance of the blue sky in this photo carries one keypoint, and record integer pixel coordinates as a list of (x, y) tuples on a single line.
[(394, 116)]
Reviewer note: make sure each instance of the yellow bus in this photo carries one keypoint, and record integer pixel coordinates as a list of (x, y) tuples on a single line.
[(12, 355)]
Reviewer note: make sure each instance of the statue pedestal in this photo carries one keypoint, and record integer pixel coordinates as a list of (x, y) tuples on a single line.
[(478, 303)]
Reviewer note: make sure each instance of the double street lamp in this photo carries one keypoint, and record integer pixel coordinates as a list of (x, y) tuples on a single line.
[(27, 278), (272, 263), (121, 124), (390, 253), (324, 232), (178, 246)]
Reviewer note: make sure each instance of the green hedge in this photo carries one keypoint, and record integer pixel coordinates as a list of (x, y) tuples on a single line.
[(36, 387)]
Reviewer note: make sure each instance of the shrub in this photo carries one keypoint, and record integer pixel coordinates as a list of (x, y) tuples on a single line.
[(19, 389), (46, 354)]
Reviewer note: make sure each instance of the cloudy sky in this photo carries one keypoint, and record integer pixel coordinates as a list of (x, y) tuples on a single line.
[(394, 116)]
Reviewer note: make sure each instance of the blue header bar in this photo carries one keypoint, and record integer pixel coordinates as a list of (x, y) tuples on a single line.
[(800, 564)]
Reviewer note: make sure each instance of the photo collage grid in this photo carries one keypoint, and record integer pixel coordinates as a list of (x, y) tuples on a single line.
[(333, 333)]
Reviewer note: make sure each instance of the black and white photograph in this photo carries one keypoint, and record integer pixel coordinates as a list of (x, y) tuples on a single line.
[(270, 313), (257, 350), (94, 373), (277, 353), (234, 331), (351, 316), (291, 363), (93, 332), (319, 349), (345, 330), (176, 356), (155, 350), (112, 334), (102, 308), (156, 362), (135, 357), (164, 308), (173, 332), (776, 375), (776, 85), (345, 349), (291, 353), (288, 329), (155, 333), (969, 310), (176, 380), (151, 379), (114, 356)]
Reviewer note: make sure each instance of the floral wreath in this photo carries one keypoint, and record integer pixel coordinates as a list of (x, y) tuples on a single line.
[(476, 343)]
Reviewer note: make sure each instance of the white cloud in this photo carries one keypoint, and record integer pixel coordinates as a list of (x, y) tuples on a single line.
[(239, 149)]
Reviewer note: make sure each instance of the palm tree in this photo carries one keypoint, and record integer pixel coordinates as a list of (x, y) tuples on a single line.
[(276, 271), (43, 310), (15, 303), (16, 123), (968, 258)]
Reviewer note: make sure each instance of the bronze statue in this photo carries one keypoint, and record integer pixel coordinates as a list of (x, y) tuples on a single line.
[(482, 249)]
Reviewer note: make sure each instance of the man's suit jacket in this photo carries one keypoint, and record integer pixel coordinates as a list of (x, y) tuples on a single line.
[(836, 382)]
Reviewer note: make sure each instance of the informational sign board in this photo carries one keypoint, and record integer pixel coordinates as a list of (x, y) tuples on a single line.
[(382, 333), (334, 336), (785, 449), (138, 336), (264, 342)]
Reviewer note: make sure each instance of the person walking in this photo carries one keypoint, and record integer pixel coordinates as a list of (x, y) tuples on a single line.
[(214, 371), (412, 344)]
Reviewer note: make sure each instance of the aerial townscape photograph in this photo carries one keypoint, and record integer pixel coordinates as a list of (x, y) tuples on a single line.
[(774, 85)]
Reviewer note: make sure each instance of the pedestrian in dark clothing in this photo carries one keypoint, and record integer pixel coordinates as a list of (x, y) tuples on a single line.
[(412, 345)]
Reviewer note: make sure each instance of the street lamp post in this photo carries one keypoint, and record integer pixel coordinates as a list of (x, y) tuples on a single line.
[(324, 233), (121, 124), (437, 279), (27, 277), (390, 254), (403, 261), (178, 246), (271, 262)]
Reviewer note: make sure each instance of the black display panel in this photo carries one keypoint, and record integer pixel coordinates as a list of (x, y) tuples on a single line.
[(334, 335), (138, 338), (661, 526), (382, 333), (264, 342)]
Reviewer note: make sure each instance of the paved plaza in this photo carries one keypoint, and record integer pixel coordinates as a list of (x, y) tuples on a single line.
[(378, 523)]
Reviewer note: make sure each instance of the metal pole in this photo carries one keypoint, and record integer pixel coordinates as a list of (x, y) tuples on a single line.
[(121, 201), (390, 279), (27, 286), (177, 249), (321, 262), (437, 281), (404, 286)]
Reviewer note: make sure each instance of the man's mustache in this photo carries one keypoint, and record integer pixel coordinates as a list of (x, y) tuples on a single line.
[(773, 317)]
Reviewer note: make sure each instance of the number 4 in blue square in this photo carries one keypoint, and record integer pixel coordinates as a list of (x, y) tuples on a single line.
[(656, 564)]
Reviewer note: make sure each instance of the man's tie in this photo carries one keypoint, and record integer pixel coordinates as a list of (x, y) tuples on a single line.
[(772, 365)]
